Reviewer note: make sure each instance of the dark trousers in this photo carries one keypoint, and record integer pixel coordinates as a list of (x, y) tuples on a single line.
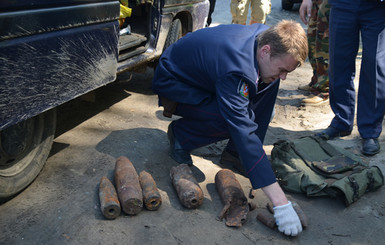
[(344, 38), (203, 124)]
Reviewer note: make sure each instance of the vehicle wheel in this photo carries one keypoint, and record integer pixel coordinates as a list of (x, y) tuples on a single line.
[(24, 149), (174, 33), (287, 4)]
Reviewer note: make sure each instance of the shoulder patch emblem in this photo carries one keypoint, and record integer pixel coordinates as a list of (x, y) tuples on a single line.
[(244, 90)]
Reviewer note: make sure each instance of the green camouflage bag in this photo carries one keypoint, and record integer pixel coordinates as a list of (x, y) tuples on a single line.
[(312, 166)]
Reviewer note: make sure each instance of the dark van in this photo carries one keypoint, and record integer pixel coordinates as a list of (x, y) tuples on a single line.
[(52, 51)]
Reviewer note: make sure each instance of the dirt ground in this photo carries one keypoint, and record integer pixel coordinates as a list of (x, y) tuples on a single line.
[(62, 205)]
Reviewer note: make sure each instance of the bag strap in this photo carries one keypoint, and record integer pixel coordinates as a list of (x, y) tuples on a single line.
[(329, 149)]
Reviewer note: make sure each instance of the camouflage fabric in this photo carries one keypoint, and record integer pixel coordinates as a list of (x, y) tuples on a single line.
[(312, 166), (335, 164), (259, 10), (318, 38)]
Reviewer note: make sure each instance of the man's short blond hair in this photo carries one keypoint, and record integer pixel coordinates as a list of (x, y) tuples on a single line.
[(286, 37)]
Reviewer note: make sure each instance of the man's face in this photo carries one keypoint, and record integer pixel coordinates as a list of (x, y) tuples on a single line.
[(270, 69)]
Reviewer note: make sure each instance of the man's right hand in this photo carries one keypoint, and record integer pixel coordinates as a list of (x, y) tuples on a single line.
[(305, 11), (287, 220)]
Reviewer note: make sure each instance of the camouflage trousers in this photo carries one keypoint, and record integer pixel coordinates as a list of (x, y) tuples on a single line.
[(259, 10), (318, 39)]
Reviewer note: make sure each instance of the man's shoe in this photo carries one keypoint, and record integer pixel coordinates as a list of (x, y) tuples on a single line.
[(304, 87), (176, 151), (315, 100), (331, 133), (370, 146), (169, 106), (228, 158)]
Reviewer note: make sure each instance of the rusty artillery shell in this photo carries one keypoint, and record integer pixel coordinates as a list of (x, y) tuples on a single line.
[(301, 215), (189, 192), (270, 208), (236, 207), (109, 203), (267, 219), (151, 196), (228, 186), (252, 206), (128, 186)]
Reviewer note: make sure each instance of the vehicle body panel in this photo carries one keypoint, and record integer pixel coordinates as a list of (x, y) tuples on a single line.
[(79, 60), (33, 21), (54, 51), (45, 61)]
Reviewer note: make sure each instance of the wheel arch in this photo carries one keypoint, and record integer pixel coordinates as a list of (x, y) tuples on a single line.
[(187, 22)]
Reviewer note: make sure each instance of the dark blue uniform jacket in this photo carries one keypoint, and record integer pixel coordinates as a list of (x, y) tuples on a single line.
[(218, 62)]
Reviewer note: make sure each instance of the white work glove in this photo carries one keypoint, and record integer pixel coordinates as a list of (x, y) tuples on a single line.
[(287, 220)]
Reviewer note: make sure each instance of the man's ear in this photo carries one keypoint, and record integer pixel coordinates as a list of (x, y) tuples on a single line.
[(265, 50)]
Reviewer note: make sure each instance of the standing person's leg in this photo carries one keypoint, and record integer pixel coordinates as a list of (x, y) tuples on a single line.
[(239, 10), (311, 38), (319, 86), (259, 10), (322, 48), (371, 93), (343, 48)]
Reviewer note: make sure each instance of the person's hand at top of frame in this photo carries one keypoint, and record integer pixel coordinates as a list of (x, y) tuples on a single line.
[(305, 11)]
